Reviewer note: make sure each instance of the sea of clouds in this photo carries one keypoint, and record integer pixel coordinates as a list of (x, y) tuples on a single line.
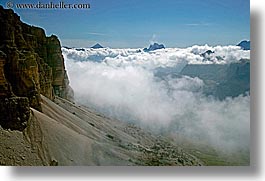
[(122, 84)]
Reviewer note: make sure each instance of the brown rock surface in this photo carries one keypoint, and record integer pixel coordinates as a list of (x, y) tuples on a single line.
[(3, 83), (33, 64), (14, 112)]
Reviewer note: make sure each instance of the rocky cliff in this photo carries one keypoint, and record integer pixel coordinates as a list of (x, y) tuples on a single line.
[(31, 64)]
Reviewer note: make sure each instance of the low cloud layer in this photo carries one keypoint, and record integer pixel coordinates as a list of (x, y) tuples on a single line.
[(169, 57), (121, 83)]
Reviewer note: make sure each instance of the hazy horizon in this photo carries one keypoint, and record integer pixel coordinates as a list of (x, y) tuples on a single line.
[(147, 45)]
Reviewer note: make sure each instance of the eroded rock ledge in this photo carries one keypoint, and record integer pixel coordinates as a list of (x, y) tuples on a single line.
[(30, 64)]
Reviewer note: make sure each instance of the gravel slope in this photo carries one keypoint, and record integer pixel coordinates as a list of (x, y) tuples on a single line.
[(69, 134)]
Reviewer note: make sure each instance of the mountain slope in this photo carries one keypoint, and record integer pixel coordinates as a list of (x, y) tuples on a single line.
[(68, 134)]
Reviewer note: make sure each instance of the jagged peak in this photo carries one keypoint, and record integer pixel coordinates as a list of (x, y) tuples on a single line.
[(97, 46), (154, 46)]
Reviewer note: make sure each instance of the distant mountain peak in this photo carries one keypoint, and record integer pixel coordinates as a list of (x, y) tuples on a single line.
[(67, 47), (208, 52), (154, 46), (97, 46), (245, 44)]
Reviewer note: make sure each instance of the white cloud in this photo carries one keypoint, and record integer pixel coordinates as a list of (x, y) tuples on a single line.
[(96, 33), (122, 84), (169, 57), (198, 24)]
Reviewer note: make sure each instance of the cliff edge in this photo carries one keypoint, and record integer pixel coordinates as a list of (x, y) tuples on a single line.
[(31, 64)]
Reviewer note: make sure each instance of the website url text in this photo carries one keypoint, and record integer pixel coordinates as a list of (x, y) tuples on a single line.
[(50, 5)]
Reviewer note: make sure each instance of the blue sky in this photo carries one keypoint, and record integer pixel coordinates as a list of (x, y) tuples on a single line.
[(137, 23)]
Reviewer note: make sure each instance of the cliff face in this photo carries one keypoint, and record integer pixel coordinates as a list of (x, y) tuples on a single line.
[(30, 64)]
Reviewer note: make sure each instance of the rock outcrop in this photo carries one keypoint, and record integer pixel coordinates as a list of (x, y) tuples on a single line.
[(31, 64), (15, 113), (4, 91)]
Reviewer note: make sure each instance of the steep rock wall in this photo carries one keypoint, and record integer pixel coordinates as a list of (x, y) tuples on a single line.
[(30, 63)]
